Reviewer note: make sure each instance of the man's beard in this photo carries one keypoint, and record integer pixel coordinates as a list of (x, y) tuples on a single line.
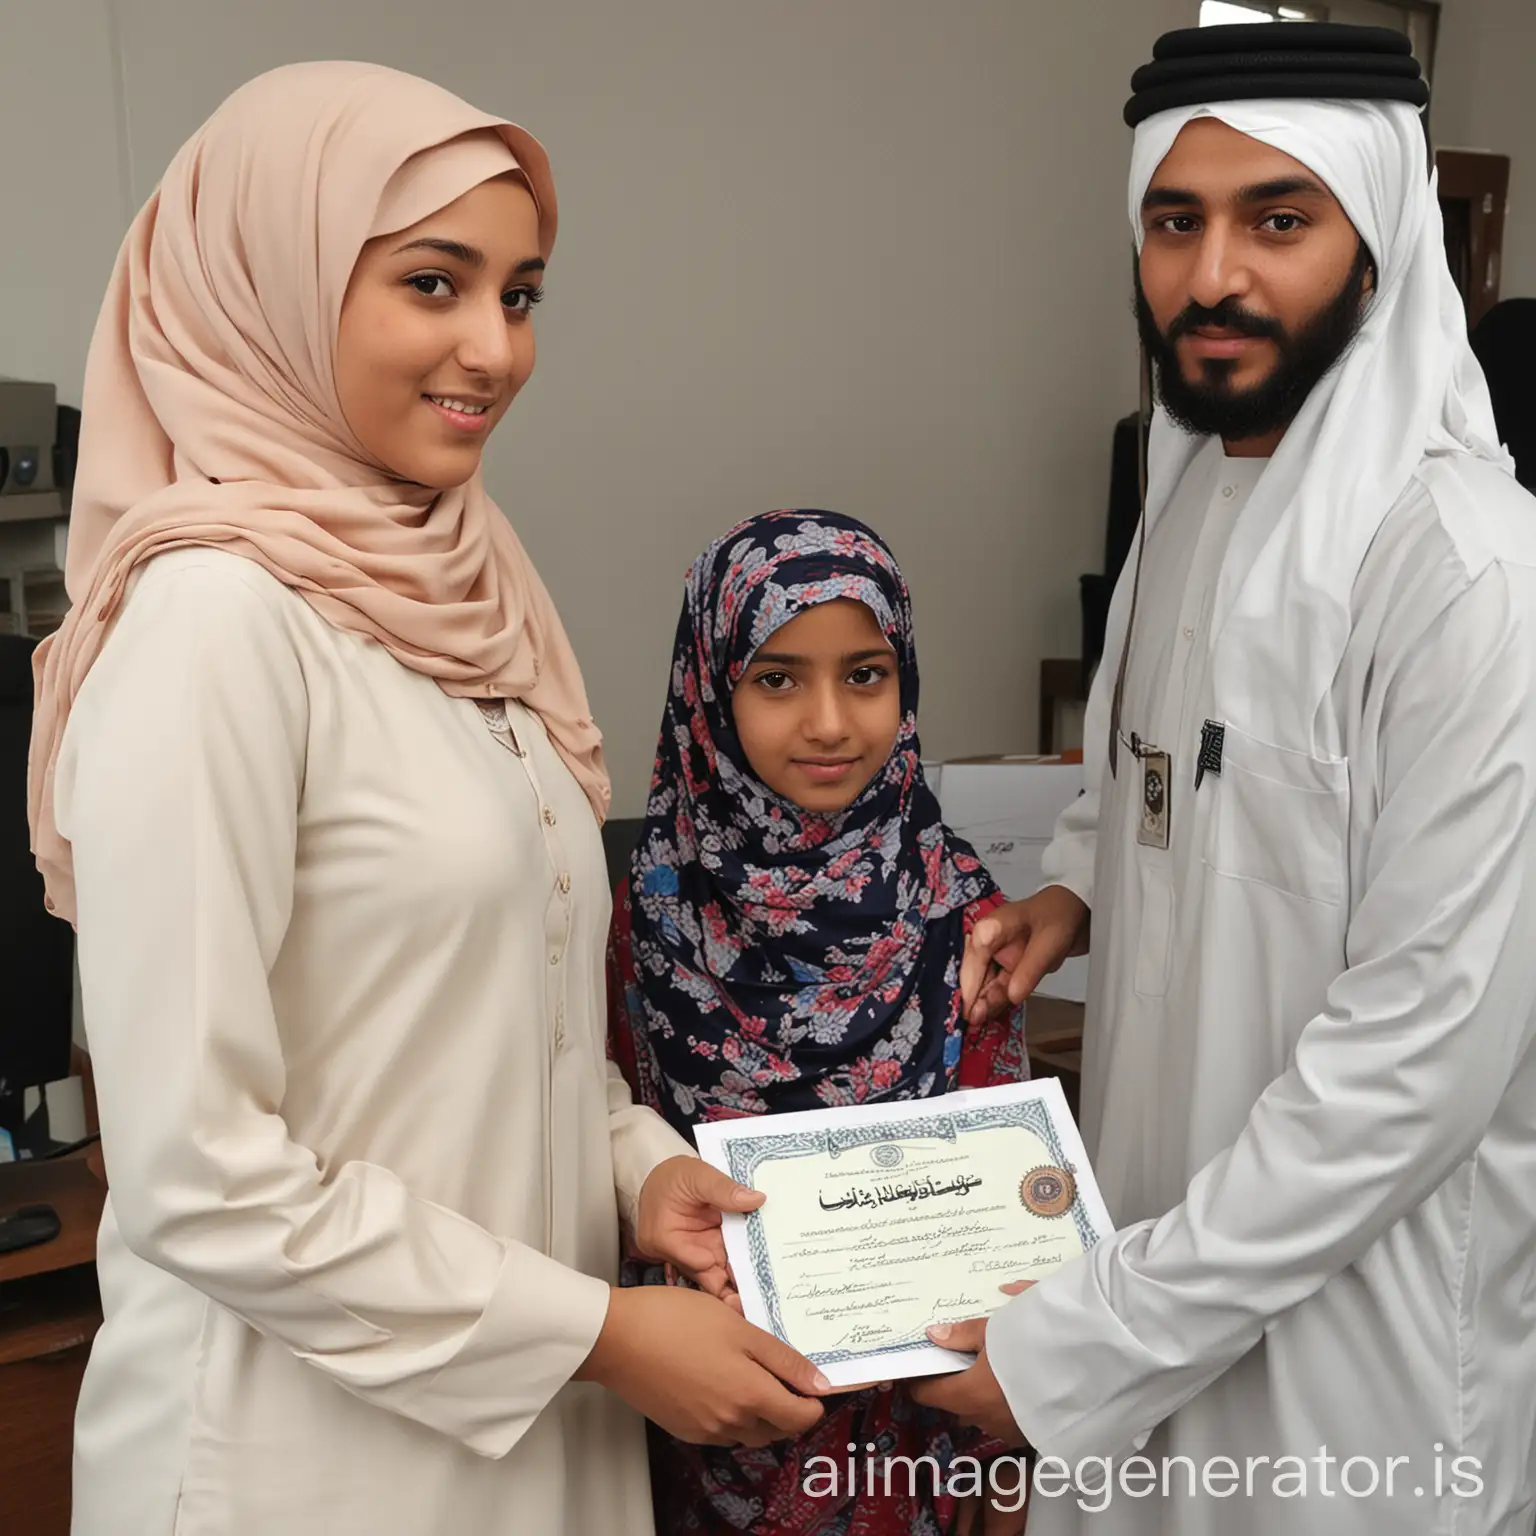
[(1211, 407)]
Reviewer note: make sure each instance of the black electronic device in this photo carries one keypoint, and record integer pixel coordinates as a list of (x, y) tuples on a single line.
[(37, 951), (27, 1227)]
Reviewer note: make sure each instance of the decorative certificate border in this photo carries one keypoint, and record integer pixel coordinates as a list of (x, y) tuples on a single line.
[(745, 1155)]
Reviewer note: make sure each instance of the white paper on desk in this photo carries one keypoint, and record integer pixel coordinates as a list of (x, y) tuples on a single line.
[(884, 1218)]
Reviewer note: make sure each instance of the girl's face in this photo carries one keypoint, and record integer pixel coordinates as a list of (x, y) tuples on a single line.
[(436, 337), (819, 707)]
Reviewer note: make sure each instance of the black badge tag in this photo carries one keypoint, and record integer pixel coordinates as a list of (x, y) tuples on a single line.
[(1156, 785)]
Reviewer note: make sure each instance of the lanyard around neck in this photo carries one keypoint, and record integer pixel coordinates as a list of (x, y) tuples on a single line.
[(1143, 419)]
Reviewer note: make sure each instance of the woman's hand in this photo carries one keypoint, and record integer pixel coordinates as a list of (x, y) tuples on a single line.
[(679, 1220), (702, 1372)]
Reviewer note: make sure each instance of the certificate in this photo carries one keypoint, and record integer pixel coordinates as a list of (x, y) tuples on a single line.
[(884, 1218)]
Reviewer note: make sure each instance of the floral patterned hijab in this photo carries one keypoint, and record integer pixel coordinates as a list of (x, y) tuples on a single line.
[(788, 960)]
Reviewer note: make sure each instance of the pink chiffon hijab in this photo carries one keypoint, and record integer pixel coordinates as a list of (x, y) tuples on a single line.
[(210, 414)]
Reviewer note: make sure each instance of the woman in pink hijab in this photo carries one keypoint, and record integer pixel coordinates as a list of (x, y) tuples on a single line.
[(315, 779)]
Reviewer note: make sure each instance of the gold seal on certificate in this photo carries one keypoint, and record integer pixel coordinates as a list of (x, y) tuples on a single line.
[(1048, 1191), (882, 1219)]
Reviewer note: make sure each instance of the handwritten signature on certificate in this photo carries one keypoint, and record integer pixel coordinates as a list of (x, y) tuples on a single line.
[(881, 1220)]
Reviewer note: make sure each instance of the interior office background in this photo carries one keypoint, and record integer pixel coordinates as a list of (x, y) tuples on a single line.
[(863, 254)]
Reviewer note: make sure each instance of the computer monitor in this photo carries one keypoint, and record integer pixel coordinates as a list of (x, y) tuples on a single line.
[(37, 951)]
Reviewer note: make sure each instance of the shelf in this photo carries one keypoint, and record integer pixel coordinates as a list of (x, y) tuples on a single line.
[(32, 507), (47, 1314)]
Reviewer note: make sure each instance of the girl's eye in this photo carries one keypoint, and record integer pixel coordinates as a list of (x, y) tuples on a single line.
[(775, 682), (865, 677), (521, 300), (1284, 223), (1179, 224), (431, 285)]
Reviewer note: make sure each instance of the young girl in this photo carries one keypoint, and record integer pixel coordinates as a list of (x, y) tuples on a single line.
[(791, 934)]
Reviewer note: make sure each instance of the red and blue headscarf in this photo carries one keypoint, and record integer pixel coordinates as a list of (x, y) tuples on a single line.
[(786, 959)]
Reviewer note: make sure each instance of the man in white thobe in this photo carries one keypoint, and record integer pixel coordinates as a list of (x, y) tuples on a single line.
[(1307, 846)]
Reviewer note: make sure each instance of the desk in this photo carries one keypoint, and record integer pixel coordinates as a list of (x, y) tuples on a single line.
[(49, 1313)]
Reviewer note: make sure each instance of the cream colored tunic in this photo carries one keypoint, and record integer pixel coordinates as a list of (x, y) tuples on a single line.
[(341, 950)]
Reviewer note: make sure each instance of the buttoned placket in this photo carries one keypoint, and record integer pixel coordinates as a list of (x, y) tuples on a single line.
[(558, 912), (1194, 609), (1176, 723)]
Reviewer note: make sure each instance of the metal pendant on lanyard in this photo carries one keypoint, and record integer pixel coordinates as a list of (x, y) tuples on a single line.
[(1152, 827)]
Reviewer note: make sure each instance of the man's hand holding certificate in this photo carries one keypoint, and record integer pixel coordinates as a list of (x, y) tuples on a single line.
[(882, 1220)]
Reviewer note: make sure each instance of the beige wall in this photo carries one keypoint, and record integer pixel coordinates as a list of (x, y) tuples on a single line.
[(62, 165), (1485, 98), (865, 254)]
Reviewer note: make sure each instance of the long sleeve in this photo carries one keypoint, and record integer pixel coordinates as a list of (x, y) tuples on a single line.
[(641, 1141), (1391, 1086), (179, 788), (1069, 859)]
